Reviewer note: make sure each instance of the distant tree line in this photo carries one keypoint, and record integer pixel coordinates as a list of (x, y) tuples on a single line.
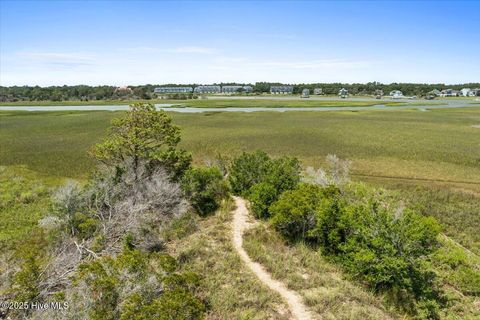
[(145, 92), (418, 89)]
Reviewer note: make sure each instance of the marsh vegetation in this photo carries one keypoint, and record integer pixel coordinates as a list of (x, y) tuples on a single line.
[(390, 233)]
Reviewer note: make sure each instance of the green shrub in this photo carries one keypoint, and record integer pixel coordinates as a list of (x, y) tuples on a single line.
[(427, 309), (261, 196), (247, 170), (205, 188), (138, 285), (368, 233), (251, 168), (294, 214), (330, 229), (283, 173), (26, 282), (83, 225), (262, 180)]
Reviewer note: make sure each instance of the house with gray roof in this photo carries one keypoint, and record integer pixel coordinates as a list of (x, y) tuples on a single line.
[(237, 89), (281, 89), (173, 90), (208, 89)]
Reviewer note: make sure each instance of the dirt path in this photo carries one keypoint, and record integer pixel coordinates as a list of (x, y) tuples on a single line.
[(240, 224)]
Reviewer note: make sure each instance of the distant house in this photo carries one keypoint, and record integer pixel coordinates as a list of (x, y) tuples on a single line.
[(248, 89), (449, 93), (208, 89), (343, 93), (476, 92), (435, 92), (235, 89), (305, 93), (317, 91), (173, 90), (467, 92), (281, 90), (396, 94), (232, 89)]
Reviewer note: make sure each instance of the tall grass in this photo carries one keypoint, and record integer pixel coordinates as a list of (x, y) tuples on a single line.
[(437, 145)]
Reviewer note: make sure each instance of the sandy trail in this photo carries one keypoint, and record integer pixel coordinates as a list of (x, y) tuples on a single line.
[(240, 224)]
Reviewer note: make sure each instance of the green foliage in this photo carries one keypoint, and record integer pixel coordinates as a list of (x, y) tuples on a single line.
[(205, 188), (102, 279), (247, 170), (26, 281), (144, 134), (172, 295), (294, 213), (83, 225), (427, 309), (262, 179), (283, 173), (367, 233), (24, 199), (385, 244), (330, 227), (261, 196)]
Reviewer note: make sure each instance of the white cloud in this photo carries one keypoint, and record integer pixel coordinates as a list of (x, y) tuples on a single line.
[(56, 60), (185, 49), (313, 64), (199, 50)]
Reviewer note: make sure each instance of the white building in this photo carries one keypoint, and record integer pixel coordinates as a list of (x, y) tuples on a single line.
[(173, 90), (237, 89), (305, 93), (467, 92), (343, 93), (396, 94), (281, 90), (317, 91), (449, 93), (208, 89)]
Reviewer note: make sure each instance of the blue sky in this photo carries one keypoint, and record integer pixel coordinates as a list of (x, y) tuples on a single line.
[(138, 42)]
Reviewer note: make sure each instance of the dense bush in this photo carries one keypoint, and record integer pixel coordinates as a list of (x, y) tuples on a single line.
[(137, 285), (371, 235), (248, 170), (261, 196), (386, 247), (205, 188), (262, 179), (283, 173), (251, 168), (294, 214)]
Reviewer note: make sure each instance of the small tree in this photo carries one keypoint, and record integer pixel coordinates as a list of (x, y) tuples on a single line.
[(247, 170), (205, 188), (261, 196), (143, 134)]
